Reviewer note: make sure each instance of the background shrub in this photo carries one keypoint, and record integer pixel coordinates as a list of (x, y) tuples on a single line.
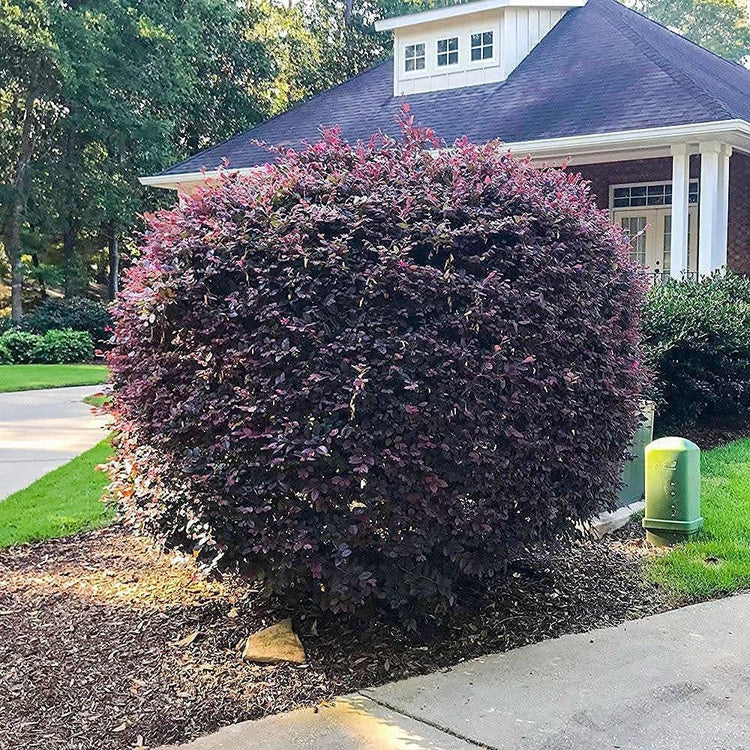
[(376, 374), (20, 345), (6, 323), (77, 313), (54, 347), (64, 347), (697, 341)]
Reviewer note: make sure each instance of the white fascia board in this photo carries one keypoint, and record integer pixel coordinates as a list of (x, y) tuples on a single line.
[(440, 14), (615, 146), (186, 179), (734, 132)]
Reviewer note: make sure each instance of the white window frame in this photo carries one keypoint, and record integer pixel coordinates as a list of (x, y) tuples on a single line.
[(612, 188), (640, 234), (657, 217), (492, 60), (448, 52), (417, 71)]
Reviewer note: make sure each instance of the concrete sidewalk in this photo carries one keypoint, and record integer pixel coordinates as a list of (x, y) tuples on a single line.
[(41, 430), (679, 680)]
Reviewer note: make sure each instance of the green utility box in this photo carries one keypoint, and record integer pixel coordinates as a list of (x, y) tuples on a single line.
[(633, 471), (673, 499)]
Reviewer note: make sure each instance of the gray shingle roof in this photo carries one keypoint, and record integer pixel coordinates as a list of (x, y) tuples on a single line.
[(602, 68)]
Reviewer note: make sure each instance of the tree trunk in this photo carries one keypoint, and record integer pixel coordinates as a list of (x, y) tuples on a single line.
[(13, 248), (12, 242), (102, 261), (12, 228), (348, 12), (69, 258), (40, 278), (114, 265)]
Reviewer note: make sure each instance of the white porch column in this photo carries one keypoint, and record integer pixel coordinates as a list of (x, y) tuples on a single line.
[(680, 187), (723, 223), (714, 204)]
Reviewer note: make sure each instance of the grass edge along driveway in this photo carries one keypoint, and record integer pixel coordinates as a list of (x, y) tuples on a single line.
[(63, 502), (717, 561), (35, 377)]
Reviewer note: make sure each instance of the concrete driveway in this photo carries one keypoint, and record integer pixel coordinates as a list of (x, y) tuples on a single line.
[(41, 430), (669, 682)]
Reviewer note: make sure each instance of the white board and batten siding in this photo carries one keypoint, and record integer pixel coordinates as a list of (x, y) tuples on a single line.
[(522, 30), (516, 30)]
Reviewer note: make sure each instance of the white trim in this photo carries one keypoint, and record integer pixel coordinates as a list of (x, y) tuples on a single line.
[(678, 249), (579, 158), (625, 139), (646, 184), (440, 14), (691, 181), (593, 148), (176, 181)]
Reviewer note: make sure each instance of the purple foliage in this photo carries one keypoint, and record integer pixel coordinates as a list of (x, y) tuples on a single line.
[(376, 373)]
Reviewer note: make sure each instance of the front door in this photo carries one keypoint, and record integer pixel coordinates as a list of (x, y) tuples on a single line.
[(650, 230)]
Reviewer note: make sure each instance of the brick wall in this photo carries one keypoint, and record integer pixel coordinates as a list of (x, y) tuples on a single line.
[(738, 242), (603, 175)]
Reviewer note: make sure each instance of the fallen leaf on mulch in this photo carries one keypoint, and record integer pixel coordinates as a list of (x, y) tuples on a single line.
[(188, 639)]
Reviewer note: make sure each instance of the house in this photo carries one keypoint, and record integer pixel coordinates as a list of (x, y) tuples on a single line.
[(659, 125)]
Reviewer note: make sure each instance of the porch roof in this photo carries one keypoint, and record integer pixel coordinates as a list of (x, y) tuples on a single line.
[(602, 69)]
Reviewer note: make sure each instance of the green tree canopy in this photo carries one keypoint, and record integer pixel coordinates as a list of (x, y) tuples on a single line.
[(147, 82), (721, 26), (95, 93), (136, 85), (29, 106)]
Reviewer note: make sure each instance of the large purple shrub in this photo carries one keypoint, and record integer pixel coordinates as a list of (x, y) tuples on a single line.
[(375, 374)]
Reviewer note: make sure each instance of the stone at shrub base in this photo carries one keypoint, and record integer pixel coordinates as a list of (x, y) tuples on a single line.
[(275, 644)]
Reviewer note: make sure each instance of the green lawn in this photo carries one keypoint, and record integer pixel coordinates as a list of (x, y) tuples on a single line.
[(97, 399), (31, 377), (60, 503), (718, 560)]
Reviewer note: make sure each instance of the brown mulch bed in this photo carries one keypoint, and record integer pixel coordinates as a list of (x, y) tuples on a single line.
[(709, 434), (97, 647)]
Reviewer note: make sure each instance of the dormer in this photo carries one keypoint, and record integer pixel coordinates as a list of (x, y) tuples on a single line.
[(470, 44)]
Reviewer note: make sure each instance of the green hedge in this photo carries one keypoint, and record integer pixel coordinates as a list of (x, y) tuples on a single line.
[(54, 347), (697, 341), (78, 313), (19, 345)]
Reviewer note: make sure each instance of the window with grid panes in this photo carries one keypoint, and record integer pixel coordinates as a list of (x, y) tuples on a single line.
[(414, 57), (481, 46), (447, 51), (649, 196)]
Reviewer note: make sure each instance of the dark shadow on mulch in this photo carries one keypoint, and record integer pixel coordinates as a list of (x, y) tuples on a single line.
[(90, 631), (709, 433)]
